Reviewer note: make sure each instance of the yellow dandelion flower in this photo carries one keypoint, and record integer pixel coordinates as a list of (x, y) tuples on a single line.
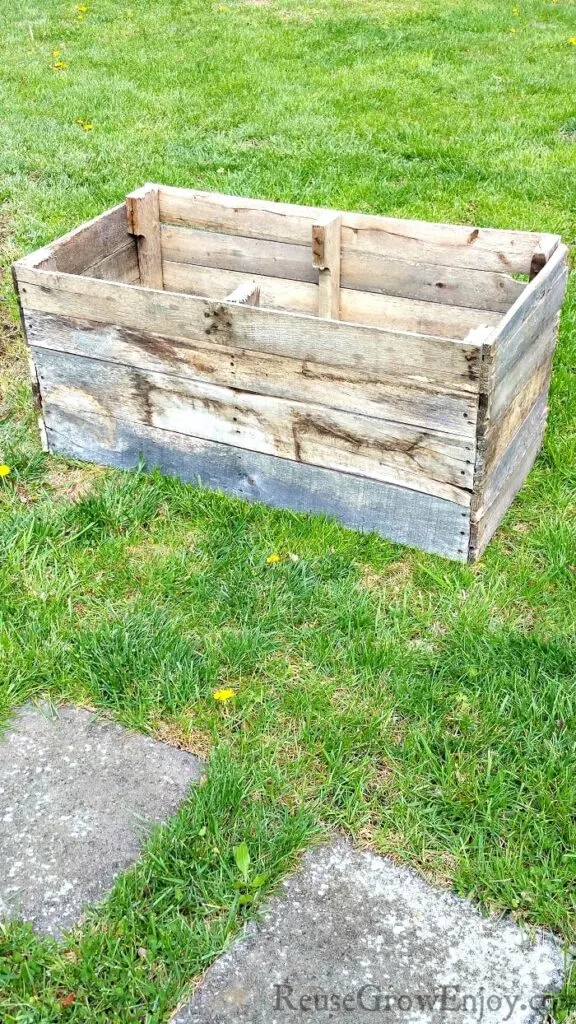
[(60, 65), (516, 11), (56, 53), (87, 126), (225, 694), (4, 470), (272, 559), (572, 41), (512, 31), (81, 8)]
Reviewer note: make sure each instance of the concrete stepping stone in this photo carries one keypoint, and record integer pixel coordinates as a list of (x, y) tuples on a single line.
[(78, 795), (356, 938)]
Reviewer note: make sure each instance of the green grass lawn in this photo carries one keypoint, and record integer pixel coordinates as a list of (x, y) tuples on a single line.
[(424, 707)]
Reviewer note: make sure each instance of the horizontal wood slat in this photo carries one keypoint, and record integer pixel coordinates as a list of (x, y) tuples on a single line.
[(401, 515), (121, 265), (441, 244), (361, 271), (338, 388), (388, 311), (86, 246), (452, 365), (431, 461)]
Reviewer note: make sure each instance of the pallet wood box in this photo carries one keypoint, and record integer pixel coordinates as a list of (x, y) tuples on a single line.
[(392, 373)]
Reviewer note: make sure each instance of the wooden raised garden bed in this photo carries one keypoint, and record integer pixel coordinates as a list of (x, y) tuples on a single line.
[(391, 373)]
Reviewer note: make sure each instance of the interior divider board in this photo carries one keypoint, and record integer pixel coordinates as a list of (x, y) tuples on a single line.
[(401, 515), (409, 357), (338, 387), (358, 270), (326, 245), (143, 215), (247, 294), (431, 461), (86, 246), (490, 249), (390, 311)]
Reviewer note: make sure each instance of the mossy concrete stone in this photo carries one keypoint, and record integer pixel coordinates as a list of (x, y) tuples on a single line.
[(78, 795), (356, 938)]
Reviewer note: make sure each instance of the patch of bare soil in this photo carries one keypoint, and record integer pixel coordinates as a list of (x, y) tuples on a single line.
[(71, 482)]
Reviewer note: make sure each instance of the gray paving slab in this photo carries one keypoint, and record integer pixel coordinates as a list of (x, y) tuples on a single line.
[(356, 938), (78, 796)]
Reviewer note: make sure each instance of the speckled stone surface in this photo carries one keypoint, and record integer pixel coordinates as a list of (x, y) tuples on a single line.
[(77, 798), (356, 938)]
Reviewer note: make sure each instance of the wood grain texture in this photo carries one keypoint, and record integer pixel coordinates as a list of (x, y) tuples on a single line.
[(506, 388), (451, 365), (247, 294), (506, 478), (143, 215), (121, 265), (388, 311), (401, 515), (326, 246), (535, 308), (432, 462), (362, 271), (86, 246), (440, 244), (501, 431), (317, 383)]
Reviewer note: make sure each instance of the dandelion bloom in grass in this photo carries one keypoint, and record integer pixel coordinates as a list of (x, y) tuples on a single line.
[(225, 694), (572, 41), (4, 470), (60, 65), (272, 559)]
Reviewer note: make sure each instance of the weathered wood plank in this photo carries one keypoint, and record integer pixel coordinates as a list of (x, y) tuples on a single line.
[(506, 478), (432, 461), (143, 215), (450, 364), (326, 245), (399, 514), (507, 387), (535, 308), (86, 246), (121, 265), (440, 244), (388, 311), (361, 271), (338, 388), (501, 431)]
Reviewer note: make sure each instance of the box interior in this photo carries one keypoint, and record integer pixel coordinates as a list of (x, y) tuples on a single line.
[(437, 280)]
